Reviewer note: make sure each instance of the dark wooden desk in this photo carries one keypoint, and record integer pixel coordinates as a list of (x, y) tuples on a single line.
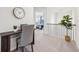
[(5, 40)]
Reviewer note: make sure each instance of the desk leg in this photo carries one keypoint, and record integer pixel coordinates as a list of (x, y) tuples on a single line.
[(5, 43), (33, 37)]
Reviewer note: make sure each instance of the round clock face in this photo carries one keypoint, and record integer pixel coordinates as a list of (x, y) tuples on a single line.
[(19, 12)]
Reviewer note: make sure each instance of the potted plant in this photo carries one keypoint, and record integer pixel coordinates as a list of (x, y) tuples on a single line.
[(67, 23)]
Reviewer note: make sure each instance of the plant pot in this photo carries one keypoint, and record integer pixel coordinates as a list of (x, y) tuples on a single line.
[(67, 38)]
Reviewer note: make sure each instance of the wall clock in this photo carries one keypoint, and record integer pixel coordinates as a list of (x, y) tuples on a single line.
[(19, 12)]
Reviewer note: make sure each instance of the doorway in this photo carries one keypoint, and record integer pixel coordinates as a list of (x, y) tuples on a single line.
[(40, 17), (39, 20)]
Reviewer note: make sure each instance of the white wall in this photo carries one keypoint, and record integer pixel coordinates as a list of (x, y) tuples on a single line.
[(77, 26), (7, 19)]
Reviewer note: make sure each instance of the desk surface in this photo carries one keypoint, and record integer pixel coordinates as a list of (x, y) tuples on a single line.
[(9, 33)]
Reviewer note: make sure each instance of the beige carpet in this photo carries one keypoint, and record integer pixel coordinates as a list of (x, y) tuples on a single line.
[(46, 43)]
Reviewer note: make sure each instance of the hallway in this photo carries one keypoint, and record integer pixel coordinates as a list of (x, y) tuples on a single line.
[(46, 43)]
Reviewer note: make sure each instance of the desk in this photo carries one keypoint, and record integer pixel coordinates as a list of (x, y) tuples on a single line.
[(5, 40)]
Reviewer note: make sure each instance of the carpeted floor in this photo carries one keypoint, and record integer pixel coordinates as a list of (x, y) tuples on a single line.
[(46, 43)]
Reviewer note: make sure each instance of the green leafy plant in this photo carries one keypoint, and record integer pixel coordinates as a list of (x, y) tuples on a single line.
[(67, 23)]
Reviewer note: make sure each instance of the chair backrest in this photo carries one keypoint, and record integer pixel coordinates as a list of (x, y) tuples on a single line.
[(22, 25), (27, 35)]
